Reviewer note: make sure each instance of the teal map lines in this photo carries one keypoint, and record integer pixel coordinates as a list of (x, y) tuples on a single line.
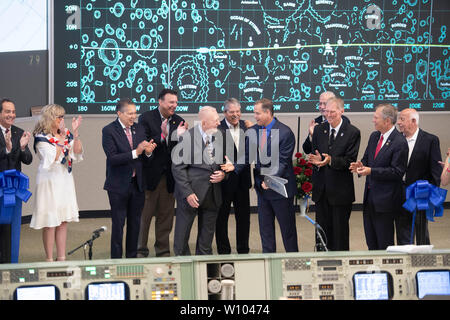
[(366, 51)]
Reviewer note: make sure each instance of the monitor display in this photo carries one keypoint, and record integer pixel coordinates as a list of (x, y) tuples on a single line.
[(366, 52), (42, 292), (372, 286), (433, 282), (107, 291)]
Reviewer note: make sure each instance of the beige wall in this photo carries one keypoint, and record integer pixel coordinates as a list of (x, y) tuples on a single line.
[(90, 174)]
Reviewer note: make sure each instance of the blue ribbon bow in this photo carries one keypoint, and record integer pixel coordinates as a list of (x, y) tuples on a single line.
[(13, 184), (422, 195)]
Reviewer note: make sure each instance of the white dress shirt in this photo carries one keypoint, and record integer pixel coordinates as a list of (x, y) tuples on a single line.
[(234, 133), (411, 143)]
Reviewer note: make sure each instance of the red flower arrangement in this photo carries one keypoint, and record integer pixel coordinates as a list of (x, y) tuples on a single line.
[(303, 175)]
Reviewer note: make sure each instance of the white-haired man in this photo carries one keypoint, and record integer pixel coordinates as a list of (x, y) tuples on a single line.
[(423, 164)]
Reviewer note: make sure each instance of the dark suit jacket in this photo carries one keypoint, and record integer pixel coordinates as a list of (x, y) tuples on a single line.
[(336, 180), (307, 145), (191, 172), (285, 170), (119, 160), (424, 161), (242, 180), (16, 157), (161, 160), (388, 168)]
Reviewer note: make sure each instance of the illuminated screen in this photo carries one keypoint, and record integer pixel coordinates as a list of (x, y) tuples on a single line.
[(367, 52), (23, 25), (107, 291), (45, 292), (433, 282), (372, 286)]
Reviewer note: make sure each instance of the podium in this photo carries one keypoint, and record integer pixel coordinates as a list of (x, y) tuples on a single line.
[(13, 190)]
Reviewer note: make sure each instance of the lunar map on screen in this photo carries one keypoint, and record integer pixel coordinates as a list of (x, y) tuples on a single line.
[(366, 52)]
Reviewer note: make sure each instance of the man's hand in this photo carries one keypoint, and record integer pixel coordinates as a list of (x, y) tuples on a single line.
[(182, 127), (24, 140), (248, 123), (312, 124), (227, 166), (8, 141), (264, 185), (192, 200), (150, 147), (141, 147), (364, 171), (217, 176), (355, 165), (316, 159)]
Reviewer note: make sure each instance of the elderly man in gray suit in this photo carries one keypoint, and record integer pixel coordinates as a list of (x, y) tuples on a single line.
[(198, 166)]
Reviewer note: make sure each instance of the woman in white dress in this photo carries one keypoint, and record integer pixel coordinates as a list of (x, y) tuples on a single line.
[(55, 201)]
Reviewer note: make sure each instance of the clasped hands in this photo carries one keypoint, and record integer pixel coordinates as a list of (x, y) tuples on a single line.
[(316, 159), (23, 140), (147, 146), (360, 169), (355, 167), (216, 177)]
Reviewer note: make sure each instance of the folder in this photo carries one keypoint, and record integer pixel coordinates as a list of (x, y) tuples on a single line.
[(277, 184)]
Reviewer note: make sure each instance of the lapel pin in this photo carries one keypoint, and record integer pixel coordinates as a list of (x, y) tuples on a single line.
[(342, 134)]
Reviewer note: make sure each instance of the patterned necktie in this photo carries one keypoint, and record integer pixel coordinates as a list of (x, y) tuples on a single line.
[(164, 132), (130, 141), (332, 138), (380, 143), (209, 149), (130, 138)]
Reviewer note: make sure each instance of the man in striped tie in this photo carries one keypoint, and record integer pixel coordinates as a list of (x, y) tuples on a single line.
[(383, 164), (126, 149)]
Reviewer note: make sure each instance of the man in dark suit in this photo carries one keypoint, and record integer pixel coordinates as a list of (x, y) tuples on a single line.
[(161, 125), (13, 152), (335, 144), (275, 144), (197, 163), (235, 189), (124, 143), (383, 164), (423, 164), (323, 98)]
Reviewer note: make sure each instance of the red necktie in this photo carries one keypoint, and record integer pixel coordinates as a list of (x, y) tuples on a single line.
[(380, 143), (263, 139), (164, 132)]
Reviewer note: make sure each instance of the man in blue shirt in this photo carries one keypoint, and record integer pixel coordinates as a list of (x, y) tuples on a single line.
[(275, 146)]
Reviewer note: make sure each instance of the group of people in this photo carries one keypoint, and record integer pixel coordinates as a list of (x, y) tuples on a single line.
[(392, 160), (204, 168), (57, 148), (158, 161)]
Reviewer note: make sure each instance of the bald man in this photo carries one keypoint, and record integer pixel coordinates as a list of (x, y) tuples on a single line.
[(196, 168), (423, 164)]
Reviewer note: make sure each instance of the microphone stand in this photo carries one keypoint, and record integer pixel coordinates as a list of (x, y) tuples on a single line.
[(322, 245), (89, 243)]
